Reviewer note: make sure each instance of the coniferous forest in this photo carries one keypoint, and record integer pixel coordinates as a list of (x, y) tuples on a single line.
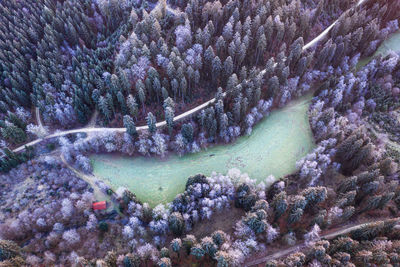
[(157, 79)]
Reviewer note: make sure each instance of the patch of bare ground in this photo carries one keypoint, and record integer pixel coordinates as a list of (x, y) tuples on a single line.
[(224, 221)]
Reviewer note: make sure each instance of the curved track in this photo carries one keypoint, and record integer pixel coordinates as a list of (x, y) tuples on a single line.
[(330, 234), (182, 116)]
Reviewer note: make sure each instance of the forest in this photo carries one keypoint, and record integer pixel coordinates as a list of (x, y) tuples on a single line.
[(148, 78)]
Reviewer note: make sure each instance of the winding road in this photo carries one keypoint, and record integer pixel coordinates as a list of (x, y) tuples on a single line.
[(325, 32), (91, 129), (117, 130)]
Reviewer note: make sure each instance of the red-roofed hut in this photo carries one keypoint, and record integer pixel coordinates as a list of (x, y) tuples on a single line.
[(102, 205)]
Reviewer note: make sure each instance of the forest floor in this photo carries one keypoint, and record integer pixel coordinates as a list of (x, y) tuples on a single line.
[(224, 220)]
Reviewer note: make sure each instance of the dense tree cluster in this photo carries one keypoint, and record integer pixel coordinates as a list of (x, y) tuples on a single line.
[(125, 61), (374, 244), (10, 159), (55, 60), (120, 57), (137, 63)]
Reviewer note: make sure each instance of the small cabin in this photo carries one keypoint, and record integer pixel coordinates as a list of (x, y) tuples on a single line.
[(102, 205)]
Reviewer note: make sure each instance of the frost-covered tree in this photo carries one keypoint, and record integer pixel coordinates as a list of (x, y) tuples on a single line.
[(37, 131), (176, 245), (67, 208), (83, 163), (159, 145), (71, 237), (313, 235), (183, 37)]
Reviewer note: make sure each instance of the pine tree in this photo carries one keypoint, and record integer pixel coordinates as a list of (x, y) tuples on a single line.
[(132, 106), (129, 124), (164, 262), (269, 68), (151, 122), (197, 251), (279, 204), (115, 86), (228, 67), (261, 46), (187, 132), (219, 237), (208, 57), (221, 47), (164, 93), (295, 51), (171, 70), (273, 86), (104, 108), (188, 242), (237, 109), (176, 223), (301, 66), (223, 125), (122, 103), (169, 118), (190, 75), (295, 216), (156, 85), (96, 96), (284, 75), (256, 221), (232, 83), (314, 195), (209, 246), (124, 81), (140, 89), (13, 133), (223, 259), (183, 85), (175, 87), (216, 70), (176, 245), (244, 106), (227, 32), (110, 102)]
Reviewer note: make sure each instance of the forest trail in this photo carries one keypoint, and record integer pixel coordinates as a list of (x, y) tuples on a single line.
[(91, 128), (327, 30), (329, 234), (91, 180), (93, 119), (39, 119)]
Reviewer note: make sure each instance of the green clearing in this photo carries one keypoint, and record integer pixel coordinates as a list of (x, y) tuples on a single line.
[(275, 145)]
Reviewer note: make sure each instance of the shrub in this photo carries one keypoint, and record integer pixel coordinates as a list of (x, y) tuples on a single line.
[(103, 227), (8, 250)]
